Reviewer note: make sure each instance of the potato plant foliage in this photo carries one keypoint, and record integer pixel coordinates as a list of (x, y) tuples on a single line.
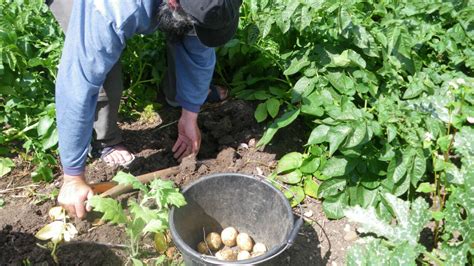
[(385, 89), (30, 42)]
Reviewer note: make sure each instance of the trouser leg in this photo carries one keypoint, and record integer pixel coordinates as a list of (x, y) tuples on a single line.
[(107, 132)]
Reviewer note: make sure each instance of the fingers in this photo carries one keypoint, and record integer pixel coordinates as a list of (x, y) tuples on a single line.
[(181, 150), (89, 196), (80, 210), (70, 209), (178, 143)]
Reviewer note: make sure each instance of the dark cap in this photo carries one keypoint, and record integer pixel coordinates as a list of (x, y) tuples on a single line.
[(216, 20)]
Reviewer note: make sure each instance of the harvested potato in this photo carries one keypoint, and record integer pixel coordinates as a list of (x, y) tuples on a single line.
[(243, 255), (244, 242), (229, 236), (202, 248), (227, 254), (259, 248), (256, 254), (214, 241)]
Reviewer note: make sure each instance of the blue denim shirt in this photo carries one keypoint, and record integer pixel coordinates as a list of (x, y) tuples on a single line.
[(96, 36)]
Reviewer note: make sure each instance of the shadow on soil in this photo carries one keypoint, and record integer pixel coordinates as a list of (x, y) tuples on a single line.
[(221, 127), (17, 248), (305, 250)]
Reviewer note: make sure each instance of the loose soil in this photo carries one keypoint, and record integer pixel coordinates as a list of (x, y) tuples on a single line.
[(229, 135)]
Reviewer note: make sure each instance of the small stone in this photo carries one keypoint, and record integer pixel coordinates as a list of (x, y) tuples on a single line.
[(202, 169), (333, 263), (243, 146), (308, 214), (351, 236), (259, 171), (310, 258), (347, 228), (252, 143), (288, 259), (308, 240)]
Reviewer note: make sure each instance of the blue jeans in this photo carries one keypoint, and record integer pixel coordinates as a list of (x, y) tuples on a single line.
[(96, 36)]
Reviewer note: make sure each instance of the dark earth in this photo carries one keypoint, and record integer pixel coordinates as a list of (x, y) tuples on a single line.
[(229, 134)]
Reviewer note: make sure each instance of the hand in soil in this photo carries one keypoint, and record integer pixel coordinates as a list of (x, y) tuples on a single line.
[(189, 136), (73, 194)]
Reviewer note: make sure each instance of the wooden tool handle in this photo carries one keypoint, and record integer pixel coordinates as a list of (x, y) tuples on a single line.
[(146, 178)]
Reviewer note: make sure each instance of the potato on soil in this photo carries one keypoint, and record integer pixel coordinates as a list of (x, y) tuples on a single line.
[(243, 255), (214, 241), (227, 254), (202, 248), (229, 236), (259, 248), (244, 242)]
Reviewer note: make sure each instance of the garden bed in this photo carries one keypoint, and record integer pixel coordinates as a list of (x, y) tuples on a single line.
[(229, 134)]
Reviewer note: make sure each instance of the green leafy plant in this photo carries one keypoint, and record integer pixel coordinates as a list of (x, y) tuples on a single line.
[(148, 215), (6, 165), (385, 90), (30, 42)]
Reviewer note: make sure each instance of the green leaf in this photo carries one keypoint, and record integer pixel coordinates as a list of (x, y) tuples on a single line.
[(337, 166), (365, 197), (336, 136), (292, 177), (273, 107), (310, 165), (425, 188), (289, 162), (312, 104), (127, 179), (50, 140), (6, 165), (318, 135), (418, 167), (391, 133), (296, 194), (175, 198), (410, 220), (44, 124), (283, 121), (137, 262), (334, 206), (331, 187), (111, 209), (142, 212), (311, 187), (341, 82), (296, 65), (42, 173), (155, 226), (357, 136), (437, 215), (372, 253), (304, 86), (261, 112), (2, 203), (444, 142), (397, 168)]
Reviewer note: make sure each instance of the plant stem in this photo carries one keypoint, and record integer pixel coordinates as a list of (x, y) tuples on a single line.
[(433, 258)]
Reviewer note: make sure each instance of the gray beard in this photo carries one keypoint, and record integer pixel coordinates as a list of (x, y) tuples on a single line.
[(174, 23)]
